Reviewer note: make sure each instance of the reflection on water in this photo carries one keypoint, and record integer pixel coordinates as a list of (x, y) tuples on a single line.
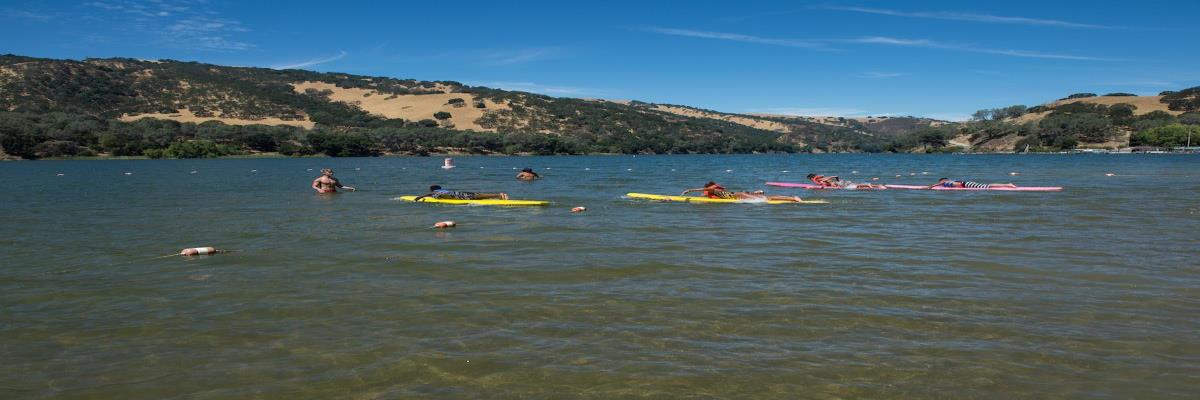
[(1090, 292)]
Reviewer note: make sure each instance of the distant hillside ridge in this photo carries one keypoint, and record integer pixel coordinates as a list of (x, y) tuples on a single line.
[(180, 109), (1086, 120)]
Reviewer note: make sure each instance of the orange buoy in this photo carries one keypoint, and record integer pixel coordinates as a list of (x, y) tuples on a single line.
[(578, 209), (197, 251), (445, 224)]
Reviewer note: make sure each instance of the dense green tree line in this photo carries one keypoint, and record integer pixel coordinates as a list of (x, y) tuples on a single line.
[(1183, 100), (32, 135), (1067, 125)]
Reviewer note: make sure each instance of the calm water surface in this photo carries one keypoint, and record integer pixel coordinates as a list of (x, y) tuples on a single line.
[(1093, 292)]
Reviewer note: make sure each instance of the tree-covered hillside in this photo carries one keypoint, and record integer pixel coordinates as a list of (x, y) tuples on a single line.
[(1064, 126), (93, 94)]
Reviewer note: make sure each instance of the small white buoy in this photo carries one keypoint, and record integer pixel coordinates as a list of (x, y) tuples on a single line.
[(672, 169), (1013, 173), (912, 174), (192, 172), (631, 169), (357, 169), (254, 170), (445, 224), (784, 171), (549, 168), (875, 179), (897, 176), (1110, 174), (197, 251), (310, 169), (854, 172), (585, 169), (61, 174), (924, 172), (578, 209), (128, 173), (729, 170)]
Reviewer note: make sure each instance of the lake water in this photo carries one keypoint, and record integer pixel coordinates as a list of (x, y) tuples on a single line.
[(1092, 292)]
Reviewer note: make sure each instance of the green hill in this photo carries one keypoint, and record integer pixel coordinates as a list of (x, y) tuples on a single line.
[(164, 108), (135, 107)]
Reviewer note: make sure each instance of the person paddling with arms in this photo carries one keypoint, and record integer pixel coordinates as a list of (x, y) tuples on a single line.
[(714, 191), (527, 174), (837, 182), (326, 183), (437, 192), (947, 183)]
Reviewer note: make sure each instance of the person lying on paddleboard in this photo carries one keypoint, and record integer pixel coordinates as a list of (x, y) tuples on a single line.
[(326, 183), (437, 192), (527, 174), (947, 183), (714, 191), (836, 182)]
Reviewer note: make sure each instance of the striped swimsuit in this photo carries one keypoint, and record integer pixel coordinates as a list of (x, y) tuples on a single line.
[(450, 194), (967, 184)]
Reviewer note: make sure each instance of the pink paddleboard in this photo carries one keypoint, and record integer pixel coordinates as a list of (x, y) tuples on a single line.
[(815, 187), (1003, 189)]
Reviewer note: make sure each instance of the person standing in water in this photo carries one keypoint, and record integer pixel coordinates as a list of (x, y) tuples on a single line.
[(714, 191), (326, 183), (448, 163), (527, 174)]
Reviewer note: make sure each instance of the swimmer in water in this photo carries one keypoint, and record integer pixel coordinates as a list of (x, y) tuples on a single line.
[(947, 183), (437, 192), (326, 183), (836, 182), (527, 174), (714, 191)]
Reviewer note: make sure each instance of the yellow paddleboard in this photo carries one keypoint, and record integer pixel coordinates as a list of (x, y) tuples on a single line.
[(488, 202), (696, 199)]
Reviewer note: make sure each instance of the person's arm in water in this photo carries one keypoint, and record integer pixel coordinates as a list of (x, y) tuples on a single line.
[(423, 196), (685, 192), (315, 184), (339, 185)]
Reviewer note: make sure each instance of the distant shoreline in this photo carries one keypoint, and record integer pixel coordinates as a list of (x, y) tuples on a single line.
[(432, 155)]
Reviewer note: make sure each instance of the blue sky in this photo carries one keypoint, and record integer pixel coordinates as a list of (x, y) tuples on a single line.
[(939, 59)]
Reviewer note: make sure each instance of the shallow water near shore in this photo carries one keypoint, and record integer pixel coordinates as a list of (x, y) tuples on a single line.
[(1092, 292)]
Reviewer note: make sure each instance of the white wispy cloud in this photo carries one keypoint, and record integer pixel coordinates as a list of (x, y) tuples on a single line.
[(971, 17), (1156, 83), (949, 116), (737, 37), (813, 111), (822, 44), (25, 14), (532, 87), (517, 56), (187, 24), (206, 33), (879, 74), (491, 57), (926, 43), (341, 54), (153, 9)]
